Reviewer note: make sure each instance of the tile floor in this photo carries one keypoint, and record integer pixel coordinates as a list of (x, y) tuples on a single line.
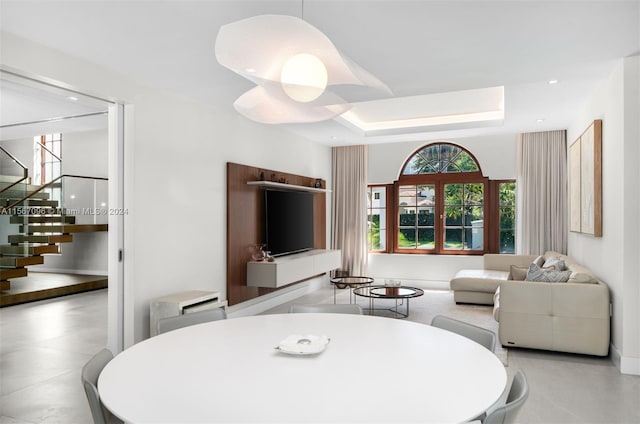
[(43, 346)]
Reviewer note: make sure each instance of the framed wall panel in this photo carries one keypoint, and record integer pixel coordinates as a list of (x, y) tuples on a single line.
[(586, 181), (575, 211)]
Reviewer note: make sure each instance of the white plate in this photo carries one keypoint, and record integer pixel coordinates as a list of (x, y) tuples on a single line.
[(303, 345)]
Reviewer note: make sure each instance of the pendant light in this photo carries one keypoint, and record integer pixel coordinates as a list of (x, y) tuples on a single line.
[(293, 65)]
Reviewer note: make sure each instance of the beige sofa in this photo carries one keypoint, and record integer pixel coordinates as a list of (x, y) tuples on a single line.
[(572, 316), (479, 285)]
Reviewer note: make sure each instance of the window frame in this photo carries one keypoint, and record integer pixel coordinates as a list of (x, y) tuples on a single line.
[(389, 227), (439, 180), (494, 236)]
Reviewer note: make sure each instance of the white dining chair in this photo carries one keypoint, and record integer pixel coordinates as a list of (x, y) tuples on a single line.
[(486, 338), (89, 377), (179, 321), (327, 308), (508, 412)]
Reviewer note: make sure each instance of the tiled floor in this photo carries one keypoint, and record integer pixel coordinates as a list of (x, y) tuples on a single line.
[(43, 346)]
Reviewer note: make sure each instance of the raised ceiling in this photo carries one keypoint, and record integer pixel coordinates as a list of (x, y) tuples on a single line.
[(415, 47)]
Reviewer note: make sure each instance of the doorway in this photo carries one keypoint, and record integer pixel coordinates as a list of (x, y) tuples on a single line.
[(35, 108)]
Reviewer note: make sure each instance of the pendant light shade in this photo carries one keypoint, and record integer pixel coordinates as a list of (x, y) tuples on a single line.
[(304, 77), (294, 65)]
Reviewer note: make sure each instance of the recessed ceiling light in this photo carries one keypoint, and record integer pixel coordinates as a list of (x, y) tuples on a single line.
[(540, 120), (250, 70), (553, 81), (72, 98)]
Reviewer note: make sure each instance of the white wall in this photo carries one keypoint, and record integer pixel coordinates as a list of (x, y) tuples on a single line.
[(175, 177), (614, 256), (85, 153), (21, 149), (497, 158)]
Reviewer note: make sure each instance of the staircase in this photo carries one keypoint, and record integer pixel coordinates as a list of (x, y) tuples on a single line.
[(41, 226)]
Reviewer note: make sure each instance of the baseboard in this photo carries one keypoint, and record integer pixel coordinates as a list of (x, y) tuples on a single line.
[(68, 271), (271, 300), (625, 364)]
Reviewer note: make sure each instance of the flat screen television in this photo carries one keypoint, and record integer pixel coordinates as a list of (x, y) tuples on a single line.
[(288, 221)]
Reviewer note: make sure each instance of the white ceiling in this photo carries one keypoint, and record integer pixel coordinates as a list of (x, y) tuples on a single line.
[(415, 47)]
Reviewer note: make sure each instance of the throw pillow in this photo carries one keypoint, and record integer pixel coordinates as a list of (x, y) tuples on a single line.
[(518, 273), (535, 273), (556, 262), (539, 261)]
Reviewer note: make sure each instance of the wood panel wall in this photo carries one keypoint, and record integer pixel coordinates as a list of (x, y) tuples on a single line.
[(245, 223)]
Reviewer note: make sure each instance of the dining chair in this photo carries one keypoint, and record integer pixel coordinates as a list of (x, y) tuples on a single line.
[(89, 376), (179, 321), (518, 394), (327, 308), (486, 338)]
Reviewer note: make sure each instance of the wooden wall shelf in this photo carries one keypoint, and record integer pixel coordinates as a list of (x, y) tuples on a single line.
[(295, 187), (245, 222)]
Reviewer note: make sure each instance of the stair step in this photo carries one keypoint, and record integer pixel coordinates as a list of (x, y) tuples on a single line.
[(4, 285), (32, 202), (58, 219), (36, 249), (63, 229), (22, 238), (18, 262), (8, 273), (19, 194)]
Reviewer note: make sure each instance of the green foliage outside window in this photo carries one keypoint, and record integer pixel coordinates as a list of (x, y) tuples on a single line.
[(440, 158), (507, 193)]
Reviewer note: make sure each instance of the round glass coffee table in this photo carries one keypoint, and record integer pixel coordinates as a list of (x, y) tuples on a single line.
[(400, 294), (351, 282)]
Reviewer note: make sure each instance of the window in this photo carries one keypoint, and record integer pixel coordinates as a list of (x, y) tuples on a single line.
[(377, 218), (507, 216), (416, 209), (464, 216), (47, 154), (441, 202)]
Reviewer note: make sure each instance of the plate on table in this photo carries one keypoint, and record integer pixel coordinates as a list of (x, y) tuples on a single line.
[(309, 344)]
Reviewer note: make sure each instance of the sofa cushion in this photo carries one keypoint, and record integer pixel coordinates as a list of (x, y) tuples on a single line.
[(518, 273), (539, 261), (556, 262), (484, 280), (536, 273)]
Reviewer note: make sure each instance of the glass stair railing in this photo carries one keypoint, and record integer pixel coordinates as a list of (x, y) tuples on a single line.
[(36, 219)]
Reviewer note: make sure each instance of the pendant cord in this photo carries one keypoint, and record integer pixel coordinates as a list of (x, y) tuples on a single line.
[(302, 11)]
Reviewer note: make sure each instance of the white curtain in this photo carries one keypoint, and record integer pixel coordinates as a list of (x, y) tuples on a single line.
[(349, 207), (542, 202)]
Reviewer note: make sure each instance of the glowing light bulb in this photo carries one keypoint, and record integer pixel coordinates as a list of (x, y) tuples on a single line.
[(304, 77)]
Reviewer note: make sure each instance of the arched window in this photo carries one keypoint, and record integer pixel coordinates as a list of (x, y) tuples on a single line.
[(440, 158), (441, 196)]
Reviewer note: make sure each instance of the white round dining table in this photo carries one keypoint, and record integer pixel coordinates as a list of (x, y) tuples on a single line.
[(373, 370)]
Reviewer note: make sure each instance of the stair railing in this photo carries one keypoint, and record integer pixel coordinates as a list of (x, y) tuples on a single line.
[(24, 171), (97, 206), (35, 224)]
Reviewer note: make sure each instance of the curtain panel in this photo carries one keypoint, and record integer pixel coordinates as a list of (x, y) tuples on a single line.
[(542, 197), (349, 207)]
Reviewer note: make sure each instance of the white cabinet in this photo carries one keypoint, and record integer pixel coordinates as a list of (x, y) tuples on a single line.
[(182, 303), (292, 268)]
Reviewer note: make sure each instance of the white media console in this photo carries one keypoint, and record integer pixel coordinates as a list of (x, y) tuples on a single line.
[(289, 269)]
